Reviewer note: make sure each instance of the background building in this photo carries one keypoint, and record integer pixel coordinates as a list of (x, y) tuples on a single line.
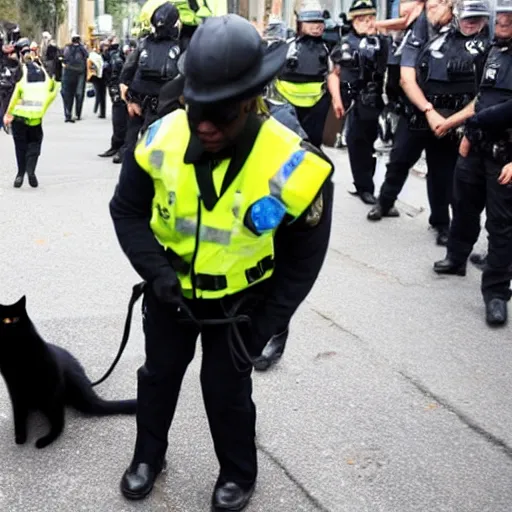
[(80, 16)]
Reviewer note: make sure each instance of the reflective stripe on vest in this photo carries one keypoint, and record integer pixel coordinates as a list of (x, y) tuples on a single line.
[(225, 255), (301, 95), (34, 98)]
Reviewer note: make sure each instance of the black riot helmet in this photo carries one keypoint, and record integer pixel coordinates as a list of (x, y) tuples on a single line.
[(165, 20), (215, 72), (22, 44)]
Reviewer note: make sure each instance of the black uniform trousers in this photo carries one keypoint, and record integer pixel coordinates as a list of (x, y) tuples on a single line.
[(119, 124), (133, 127), (100, 94), (170, 347), (361, 136), (27, 143), (312, 119), (441, 159), (475, 188), (73, 91)]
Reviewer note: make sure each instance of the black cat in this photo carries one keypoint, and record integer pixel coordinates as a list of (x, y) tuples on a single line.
[(44, 377)]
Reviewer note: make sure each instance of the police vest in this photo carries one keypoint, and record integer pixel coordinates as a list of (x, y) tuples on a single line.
[(302, 82), (158, 60), (192, 12), (34, 97), (346, 56), (496, 84), (446, 66), (221, 255)]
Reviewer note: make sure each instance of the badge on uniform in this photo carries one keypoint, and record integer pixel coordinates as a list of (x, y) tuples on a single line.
[(152, 131), (174, 52)]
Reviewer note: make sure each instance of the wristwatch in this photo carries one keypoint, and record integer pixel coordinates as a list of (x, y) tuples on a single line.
[(428, 107)]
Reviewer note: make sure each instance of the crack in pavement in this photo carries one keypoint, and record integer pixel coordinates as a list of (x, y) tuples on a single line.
[(376, 270), (465, 419), (302, 488)]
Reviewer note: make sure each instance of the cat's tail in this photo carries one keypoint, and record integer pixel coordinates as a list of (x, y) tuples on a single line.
[(88, 402), (102, 407)]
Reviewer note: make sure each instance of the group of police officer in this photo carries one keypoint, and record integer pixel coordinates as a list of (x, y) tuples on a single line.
[(447, 84)]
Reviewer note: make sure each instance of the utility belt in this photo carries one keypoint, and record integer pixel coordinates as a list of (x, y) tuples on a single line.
[(449, 102), (446, 104), (498, 149), (215, 282), (369, 96), (147, 102)]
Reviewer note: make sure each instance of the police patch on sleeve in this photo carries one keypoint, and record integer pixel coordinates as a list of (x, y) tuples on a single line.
[(152, 131), (315, 211)]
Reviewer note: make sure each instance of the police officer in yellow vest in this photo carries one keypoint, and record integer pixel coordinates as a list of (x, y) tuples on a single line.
[(303, 80), (226, 215), (192, 14), (32, 96)]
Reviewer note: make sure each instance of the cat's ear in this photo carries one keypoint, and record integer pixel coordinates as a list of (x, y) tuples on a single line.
[(22, 303)]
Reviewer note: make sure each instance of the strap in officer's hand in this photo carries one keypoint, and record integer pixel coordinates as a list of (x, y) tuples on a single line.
[(138, 291)]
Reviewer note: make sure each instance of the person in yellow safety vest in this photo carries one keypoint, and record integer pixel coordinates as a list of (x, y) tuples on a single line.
[(192, 14), (226, 215), (303, 80), (32, 96)]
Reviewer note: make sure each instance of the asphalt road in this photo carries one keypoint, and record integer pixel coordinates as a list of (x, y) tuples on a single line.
[(393, 396)]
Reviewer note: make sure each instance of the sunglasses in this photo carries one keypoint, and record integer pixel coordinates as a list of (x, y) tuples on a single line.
[(220, 114)]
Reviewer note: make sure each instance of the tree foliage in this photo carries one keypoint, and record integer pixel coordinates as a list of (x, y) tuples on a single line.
[(46, 14), (8, 11), (34, 16)]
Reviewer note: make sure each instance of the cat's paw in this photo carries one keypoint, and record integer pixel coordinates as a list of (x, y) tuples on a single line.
[(43, 442), (20, 438)]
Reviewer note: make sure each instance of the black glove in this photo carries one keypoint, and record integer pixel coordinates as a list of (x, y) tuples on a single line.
[(167, 289)]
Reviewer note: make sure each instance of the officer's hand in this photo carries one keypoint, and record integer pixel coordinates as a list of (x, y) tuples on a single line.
[(442, 129), (134, 109), (167, 289), (435, 119), (506, 175), (464, 147), (8, 119), (339, 111)]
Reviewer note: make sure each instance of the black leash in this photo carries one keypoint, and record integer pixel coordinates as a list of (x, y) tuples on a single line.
[(238, 350), (137, 293)]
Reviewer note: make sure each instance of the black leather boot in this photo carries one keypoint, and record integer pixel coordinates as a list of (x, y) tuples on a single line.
[(31, 170), (377, 212), (18, 181), (450, 267), (496, 312), (139, 479), (109, 153), (368, 198), (230, 496), (118, 159), (272, 352)]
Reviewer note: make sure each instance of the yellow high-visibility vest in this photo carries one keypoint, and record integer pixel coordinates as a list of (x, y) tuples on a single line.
[(222, 255), (30, 100)]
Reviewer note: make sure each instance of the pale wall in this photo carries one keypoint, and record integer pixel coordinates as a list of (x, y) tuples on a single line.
[(85, 18)]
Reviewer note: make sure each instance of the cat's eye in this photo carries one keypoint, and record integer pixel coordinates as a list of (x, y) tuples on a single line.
[(12, 320)]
